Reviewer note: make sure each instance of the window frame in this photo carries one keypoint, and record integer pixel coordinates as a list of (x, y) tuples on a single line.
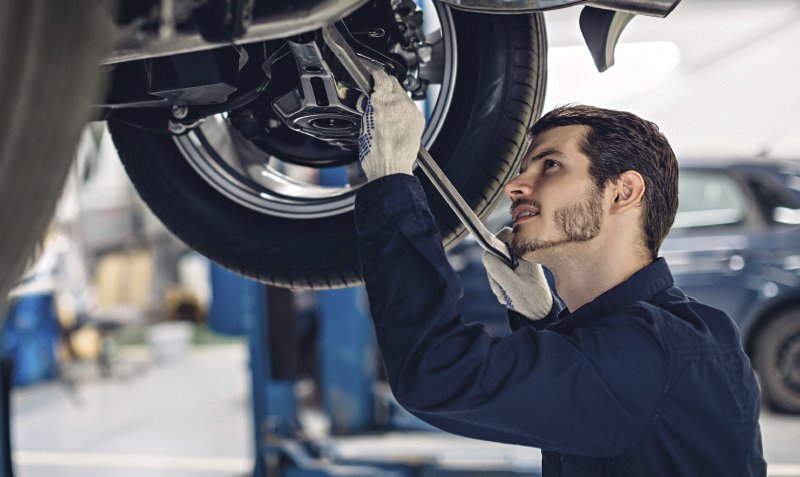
[(748, 220)]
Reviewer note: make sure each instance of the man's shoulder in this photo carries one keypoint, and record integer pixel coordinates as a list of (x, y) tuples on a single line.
[(647, 337), (681, 322)]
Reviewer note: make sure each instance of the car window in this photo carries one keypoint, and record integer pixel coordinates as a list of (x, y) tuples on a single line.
[(778, 206), (709, 199)]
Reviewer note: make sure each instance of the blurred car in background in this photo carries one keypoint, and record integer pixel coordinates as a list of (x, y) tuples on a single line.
[(735, 245)]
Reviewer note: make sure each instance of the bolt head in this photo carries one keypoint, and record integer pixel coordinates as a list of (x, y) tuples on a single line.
[(179, 111), (425, 52)]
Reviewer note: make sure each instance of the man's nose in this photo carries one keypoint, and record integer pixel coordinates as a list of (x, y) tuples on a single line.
[(517, 188)]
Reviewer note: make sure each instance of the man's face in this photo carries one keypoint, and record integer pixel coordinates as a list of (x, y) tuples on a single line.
[(554, 200)]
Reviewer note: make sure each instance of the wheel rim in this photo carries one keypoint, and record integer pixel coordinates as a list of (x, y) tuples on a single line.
[(244, 173), (788, 362)]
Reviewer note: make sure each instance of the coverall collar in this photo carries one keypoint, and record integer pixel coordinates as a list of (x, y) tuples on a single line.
[(641, 286)]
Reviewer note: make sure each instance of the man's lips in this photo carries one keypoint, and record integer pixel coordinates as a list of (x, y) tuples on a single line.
[(519, 220), (523, 212)]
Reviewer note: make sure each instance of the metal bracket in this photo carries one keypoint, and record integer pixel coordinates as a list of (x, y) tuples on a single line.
[(316, 106), (601, 29)]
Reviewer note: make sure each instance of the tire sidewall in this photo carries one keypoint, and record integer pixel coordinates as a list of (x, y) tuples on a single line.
[(768, 344)]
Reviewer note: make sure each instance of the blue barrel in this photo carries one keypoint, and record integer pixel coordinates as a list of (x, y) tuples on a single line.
[(30, 338)]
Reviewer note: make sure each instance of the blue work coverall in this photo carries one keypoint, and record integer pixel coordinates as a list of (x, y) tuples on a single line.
[(642, 381)]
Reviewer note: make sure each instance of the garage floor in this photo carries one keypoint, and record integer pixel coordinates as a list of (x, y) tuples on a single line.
[(191, 418), (186, 418)]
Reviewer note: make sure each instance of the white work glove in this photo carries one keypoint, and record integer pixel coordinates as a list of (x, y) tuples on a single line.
[(524, 289), (391, 130)]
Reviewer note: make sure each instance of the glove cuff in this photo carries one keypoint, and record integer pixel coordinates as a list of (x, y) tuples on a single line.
[(377, 169)]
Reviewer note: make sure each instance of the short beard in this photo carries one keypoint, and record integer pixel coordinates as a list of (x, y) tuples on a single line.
[(579, 222)]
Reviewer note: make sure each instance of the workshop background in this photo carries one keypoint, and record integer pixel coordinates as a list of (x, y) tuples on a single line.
[(125, 377)]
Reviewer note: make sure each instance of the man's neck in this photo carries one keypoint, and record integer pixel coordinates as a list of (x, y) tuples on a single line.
[(580, 278)]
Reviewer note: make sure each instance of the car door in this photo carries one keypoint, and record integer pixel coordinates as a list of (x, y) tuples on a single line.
[(710, 248)]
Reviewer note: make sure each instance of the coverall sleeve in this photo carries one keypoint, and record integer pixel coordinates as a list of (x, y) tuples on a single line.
[(578, 394), (517, 320)]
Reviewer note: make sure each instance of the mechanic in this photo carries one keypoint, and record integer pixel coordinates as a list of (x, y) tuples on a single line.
[(631, 377)]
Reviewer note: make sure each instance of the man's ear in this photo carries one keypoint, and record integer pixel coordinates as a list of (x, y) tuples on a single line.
[(627, 192)]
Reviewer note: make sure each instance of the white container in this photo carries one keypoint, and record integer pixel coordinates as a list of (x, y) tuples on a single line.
[(169, 340)]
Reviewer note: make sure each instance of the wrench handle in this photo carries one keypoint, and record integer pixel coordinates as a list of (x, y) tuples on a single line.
[(465, 214)]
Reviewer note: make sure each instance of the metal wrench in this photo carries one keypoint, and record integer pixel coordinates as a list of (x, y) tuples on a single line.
[(353, 64)]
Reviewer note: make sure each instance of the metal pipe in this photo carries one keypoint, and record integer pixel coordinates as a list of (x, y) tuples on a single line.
[(280, 23)]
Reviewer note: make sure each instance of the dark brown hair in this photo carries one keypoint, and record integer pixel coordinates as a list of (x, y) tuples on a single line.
[(618, 141)]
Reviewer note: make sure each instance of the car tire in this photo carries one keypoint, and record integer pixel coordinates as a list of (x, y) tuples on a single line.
[(498, 93), (777, 354), (48, 90)]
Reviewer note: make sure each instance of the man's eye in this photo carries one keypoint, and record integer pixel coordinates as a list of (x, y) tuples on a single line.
[(548, 163)]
